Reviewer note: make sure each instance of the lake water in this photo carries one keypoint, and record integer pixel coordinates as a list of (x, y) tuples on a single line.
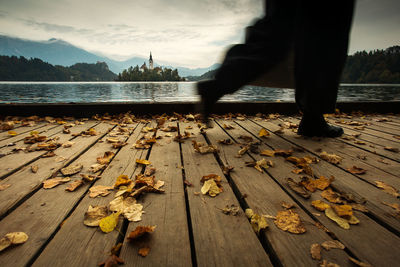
[(90, 92)]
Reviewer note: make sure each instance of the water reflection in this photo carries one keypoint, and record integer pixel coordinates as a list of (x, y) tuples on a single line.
[(57, 92)]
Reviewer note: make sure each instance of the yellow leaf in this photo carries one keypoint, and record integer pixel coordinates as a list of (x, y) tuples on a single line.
[(109, 223), (210, 187), (122, 180), (12, 133), (106, 158), (14, 238), (263, 133), (330, 213), (143, 161), (332, 158), (257, 222), (343, 210), (289, 220), (322, 182), (268, 153), (320, 205)]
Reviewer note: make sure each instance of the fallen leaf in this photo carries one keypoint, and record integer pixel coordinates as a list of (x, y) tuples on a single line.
[(322, 182), (74, 185), (127, 207), (68, 144), (14, 238), (343, 210), (122, 180), (34, 168), (228, 127), (94, 214), (287, 205), (4, 186), (395, 206), (359, 263), (12, 133), (231, 210), (308, 183), (268, 153), (50, 183), (298, 188), (112, 140), (227, 169), (71, 169), (330, 213), (89, 177), (108, 224), (141, 180), (315, 251), (204, 149), (112, 261), (140, 231), (149, 171), (289, 220), (331, 196), (356, 170), (283, 153), (358, 142), (243, 150), (257, 221), (332, 244), (320, 205), (49, 154), (387, 188), (225, 141), (326, 263), (100, 190), (8, 125), (332, 158), (392, 149), (144, 251), (263, 133), (210, 188), (97, 167), (358, 207), (143, 161), (106, 158)]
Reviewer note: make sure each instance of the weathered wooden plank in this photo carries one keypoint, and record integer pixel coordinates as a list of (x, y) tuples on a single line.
[(344, 181), (97, 244), (47, 167), (220, 240), (14, 161), (170, 244), (265, 196), (358, 238), (45, 211)]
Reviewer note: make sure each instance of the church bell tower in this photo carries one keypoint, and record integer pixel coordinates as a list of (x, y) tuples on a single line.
[(151, 62)]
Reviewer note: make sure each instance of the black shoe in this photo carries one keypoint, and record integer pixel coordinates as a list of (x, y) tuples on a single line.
[(315, 125), (208, 93)]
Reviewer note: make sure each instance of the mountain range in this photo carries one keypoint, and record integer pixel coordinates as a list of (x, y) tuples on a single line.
[(59, 52)]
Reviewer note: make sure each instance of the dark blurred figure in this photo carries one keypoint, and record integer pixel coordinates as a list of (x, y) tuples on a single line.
[(318, 34)]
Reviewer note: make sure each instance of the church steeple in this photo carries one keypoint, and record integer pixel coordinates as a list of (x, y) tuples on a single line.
[(151, 62)]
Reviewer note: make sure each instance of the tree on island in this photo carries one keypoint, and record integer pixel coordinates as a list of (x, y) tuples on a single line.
[(149, 75)]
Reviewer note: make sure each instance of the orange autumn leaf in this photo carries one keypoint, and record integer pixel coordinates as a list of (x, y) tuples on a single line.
[(50, 183), (122, 180), (144, 251), (268, 153), (308, 183), (263, 133), (331, 196), (141, 231), (322, 182), (12, 133), (289, 220), (320, 205), (111, 261), (356, 170), (343, 210), (74, 185), (283, 153), (143, 161), (106, 158)]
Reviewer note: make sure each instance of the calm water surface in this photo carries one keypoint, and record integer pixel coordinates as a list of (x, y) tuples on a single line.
[(86, 92)]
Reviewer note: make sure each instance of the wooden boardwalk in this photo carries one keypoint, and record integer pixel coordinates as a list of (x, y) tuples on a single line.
[(191, 228)]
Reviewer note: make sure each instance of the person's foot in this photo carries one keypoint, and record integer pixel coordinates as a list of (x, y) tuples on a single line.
[(315, 125), (208, 93)]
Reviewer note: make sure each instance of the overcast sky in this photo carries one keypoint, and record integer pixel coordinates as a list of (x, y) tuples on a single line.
[(192, 33)]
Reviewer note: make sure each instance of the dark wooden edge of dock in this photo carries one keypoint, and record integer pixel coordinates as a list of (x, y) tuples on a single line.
[(143, 108)]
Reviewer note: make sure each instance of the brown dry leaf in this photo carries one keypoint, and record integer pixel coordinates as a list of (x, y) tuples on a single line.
[(359, 263), (11, 239), (308, 183), (144, 251), (34, 168), (228, 127), (263, 133), (297, 171), (268, 153), (141, 231), (122, 180), (50, 183), (143, 161), (387, 188), (97, 167), (231, 210), (89, 177), (287, 205), (71, 169), (204, 149), (358, 207), (315, 251), (128, 207), (298, 188), (395, 206), (257, 221), (106, 158), (243, 150), (330, 213), (4, 186), (68, 144), (392, 149), (49, 154), (332, 158), (326, 263), (94, 214), (8, 125), (320, 205), (215, 177), (343, 210), (149, 171), (289, 220), (100, 190), (356, 170), (227, 169), (331, 196), (112, 261), (322, 182), (332, 244), (112, 140), (225, 141), (119, 144), (74, 185), (141, 180), (283, 153)]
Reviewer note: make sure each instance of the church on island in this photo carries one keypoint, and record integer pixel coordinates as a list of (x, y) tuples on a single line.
[(151, 66)]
